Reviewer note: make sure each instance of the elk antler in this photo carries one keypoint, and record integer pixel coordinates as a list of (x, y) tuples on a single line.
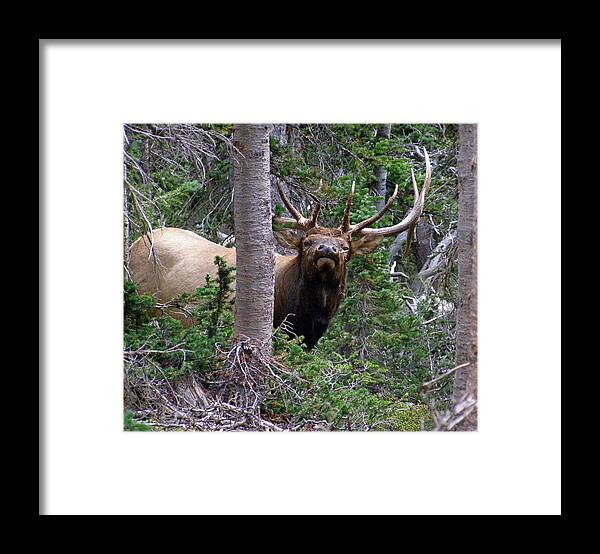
[(377, 216), (411, 218), (300, 221), (345, 226)]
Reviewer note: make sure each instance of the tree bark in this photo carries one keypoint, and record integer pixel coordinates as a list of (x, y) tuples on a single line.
[(255, 260), (383, 132), (465, 382), (126, 207), (426, 240)]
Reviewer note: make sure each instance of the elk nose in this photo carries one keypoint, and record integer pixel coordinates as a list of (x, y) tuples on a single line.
[(326, 249)]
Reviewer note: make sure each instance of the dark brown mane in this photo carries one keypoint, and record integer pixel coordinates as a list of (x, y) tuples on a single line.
[(307, 301)]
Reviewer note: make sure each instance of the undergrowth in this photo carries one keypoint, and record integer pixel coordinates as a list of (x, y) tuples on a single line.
[(340, 385)]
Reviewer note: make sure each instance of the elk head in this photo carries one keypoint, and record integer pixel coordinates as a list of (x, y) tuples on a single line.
[(310, 286), (325, 251)]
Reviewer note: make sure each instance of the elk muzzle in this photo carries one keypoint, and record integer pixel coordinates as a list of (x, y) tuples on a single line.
[(326, 257)]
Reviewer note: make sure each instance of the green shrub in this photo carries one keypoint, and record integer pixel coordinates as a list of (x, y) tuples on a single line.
[(168, 349), (129, 424)]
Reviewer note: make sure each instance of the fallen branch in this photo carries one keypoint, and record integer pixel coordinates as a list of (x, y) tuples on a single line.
[(426, 386)]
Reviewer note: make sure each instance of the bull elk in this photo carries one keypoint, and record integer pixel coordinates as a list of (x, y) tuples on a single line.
[(309, 285)]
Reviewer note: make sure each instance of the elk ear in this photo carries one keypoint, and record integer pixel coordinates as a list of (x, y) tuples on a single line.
[(289, 238), (366, 244)]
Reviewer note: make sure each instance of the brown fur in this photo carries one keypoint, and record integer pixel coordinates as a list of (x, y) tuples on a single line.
[(307, 292), (310, 296)]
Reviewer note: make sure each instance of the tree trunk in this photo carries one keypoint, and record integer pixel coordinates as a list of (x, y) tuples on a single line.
[(426, 239), (465, 383), (383, 132), (126, 207), (255, 260)]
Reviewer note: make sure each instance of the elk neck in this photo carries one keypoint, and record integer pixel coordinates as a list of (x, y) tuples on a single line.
[(312, 299)]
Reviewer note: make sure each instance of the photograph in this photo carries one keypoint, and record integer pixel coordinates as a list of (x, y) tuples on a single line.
[(300, 277)]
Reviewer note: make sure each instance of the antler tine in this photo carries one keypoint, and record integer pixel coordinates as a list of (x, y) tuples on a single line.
[(427, 181), (315, 214), (415, 212), (377, 216), (301, 221), (316, 209), (415, 187), (346, 221), (291, 208)]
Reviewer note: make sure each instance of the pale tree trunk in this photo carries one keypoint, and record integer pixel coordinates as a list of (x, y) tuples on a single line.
[(383, 132), (465, 383), (126, 207), (255, 260)]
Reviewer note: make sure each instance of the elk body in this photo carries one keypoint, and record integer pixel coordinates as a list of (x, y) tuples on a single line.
[(309, 285)]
